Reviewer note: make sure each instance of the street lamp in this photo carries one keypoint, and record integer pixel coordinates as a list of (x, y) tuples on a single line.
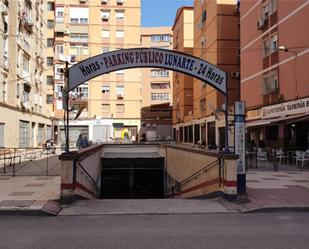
[(287, 50)]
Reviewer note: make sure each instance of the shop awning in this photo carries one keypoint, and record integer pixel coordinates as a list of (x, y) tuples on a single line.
[(118, 125), (257, 123), (290, 119)]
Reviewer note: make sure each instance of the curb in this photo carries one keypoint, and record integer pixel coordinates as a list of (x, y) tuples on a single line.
[(275, 209), (26, 212), (51, 208)]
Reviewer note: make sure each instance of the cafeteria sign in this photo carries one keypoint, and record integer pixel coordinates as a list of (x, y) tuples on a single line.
[(147, 57), (287, 108)]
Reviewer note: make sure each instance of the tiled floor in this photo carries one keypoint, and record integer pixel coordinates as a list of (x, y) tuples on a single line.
[(28, 192), (277, 189)]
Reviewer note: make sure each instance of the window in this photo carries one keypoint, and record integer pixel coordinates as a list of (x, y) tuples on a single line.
[(59, 72), (49, 80), (105, 89), (160, 96), (79, 15), (24, 134), (59, 14), (49, 99), (50, 6), (50, 24), (50, 42), (159, 73), (59, 49), (160, 38), (5, 23), (6, 51), (120, 108), (26, 65), (79, 50), (40, 133), (270, 82), (105, 50), (105, 33), (119, 33), (204, 16), (49, 61), (273, 43), (79, 38), (160, 85), (105, 108), (120, 91), (119, 15), (273, 4), (270, 45), (80, 92), (4, 89), (17, 89)]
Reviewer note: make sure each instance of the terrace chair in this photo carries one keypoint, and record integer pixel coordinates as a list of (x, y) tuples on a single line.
[(300, 156), (280, 155), (261, 156)]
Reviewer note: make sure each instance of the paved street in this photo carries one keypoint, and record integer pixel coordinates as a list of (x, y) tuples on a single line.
[(218, 231)]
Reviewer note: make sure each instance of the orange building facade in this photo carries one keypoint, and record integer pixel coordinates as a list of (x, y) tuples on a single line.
[(216, 40), (274, 71)]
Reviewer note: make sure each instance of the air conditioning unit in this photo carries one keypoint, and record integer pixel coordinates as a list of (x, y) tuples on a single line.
[(261, 23), (104, 1), (105, 16), (235, 74), (3, 9), (30, 21), (120, 1), (66, 31)]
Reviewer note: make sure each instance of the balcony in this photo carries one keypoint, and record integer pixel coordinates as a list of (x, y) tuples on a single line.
[(79, 29), (60, 28)]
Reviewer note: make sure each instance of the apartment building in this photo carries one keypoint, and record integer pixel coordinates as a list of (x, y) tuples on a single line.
[(216, 40), (274, 72), (25, 119), (107, 107), (156, 115), (183, 41)]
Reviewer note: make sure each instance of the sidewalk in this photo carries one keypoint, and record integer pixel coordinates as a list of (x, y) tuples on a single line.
[(286, 190), (29, 195), (144, 206)]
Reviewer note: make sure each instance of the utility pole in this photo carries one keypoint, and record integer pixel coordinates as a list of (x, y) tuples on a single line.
[(65, 103)]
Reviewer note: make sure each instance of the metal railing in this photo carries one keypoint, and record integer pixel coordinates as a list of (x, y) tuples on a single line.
[(31, 161), (177, 186)]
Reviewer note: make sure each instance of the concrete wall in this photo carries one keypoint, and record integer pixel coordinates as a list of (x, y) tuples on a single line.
[(182, 162), (77, 182)]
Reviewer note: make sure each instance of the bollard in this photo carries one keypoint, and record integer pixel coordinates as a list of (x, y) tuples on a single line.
[(47, 162)]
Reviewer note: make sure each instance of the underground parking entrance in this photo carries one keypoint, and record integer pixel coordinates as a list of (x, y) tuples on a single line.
[(132, 176), (191, 173)]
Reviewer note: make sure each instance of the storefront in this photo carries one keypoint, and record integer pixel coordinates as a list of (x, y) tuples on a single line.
[(284, 125)]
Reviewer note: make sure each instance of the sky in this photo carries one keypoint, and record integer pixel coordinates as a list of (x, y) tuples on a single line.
[(161, 12)]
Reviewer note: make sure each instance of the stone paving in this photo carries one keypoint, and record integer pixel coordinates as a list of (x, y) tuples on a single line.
[(269, 190), (22, 193)]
